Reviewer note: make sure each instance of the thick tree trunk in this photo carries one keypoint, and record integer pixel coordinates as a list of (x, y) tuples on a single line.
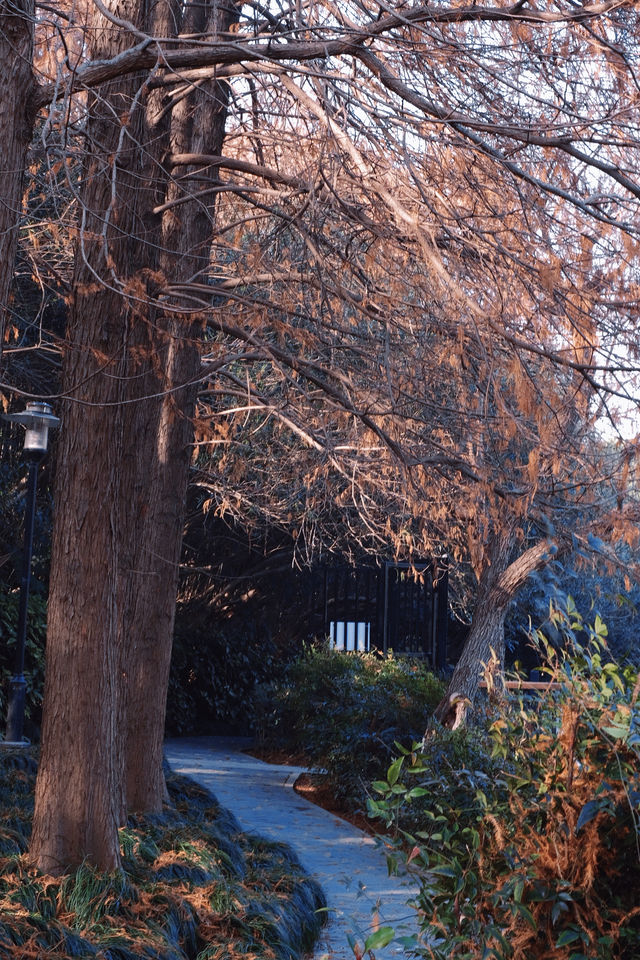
[(131, 375), (136, 371), (16, 126), (498, 585), (198, 126), (80, 788), (151, 595)]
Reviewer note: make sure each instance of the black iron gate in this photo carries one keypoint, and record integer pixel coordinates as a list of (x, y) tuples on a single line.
[(395, 607)]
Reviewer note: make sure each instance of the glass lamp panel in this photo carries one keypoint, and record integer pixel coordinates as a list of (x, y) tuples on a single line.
[(36, 436)]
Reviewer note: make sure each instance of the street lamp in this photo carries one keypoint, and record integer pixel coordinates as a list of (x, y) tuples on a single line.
[(37, 420)]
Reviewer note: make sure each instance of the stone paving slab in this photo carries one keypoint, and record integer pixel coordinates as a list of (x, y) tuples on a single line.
[(346, 862)]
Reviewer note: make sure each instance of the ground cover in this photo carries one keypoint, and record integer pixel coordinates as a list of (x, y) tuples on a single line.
[(192, 887)]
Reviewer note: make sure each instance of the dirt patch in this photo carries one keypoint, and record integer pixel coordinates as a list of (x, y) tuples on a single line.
[(282, 757), (316, 788)]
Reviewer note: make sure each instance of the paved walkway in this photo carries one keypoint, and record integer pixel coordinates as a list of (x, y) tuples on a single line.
[(346, 862)]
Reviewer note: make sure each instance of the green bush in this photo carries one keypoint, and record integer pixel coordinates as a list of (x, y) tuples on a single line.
[(455, 769), (342, 712), (543, 860), (215, 669), (13, 491)]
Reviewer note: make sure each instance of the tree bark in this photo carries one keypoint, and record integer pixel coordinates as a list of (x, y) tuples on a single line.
[(16, 123), (198, 126), (131, 374), (80, 800), (152, 583), (78, 791), (499, 582)]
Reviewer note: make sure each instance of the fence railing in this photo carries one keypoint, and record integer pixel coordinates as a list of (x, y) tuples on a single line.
[(395, 606)]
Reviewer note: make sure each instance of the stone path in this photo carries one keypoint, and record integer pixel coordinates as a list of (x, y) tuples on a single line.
[(346, 862)]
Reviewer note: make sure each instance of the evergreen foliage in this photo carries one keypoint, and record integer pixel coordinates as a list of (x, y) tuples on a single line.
[(34, 653), (343, 711), (215, 667)]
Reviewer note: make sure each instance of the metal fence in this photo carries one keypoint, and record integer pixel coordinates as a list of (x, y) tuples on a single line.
[(397, 606)]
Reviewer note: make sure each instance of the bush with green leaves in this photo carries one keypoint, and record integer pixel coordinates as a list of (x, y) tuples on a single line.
[(610, 595), (342, 713), (13, 489), (543, 860), (215, 670), (455, 768)]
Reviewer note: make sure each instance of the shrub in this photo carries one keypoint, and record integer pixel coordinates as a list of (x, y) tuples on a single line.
[(342, 712), (12, 510), (542, 861), (455, 770), (215, 669)]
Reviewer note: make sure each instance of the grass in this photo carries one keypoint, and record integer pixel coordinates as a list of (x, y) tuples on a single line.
[(192, 887)]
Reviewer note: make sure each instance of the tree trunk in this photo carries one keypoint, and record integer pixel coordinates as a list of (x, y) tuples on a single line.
[(151, 596), (80, 788), (124, 362), (499, 583), (16, 124), (78, 791), (198, 126)]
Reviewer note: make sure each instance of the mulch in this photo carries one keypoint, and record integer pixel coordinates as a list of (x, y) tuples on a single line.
[(316, 788)]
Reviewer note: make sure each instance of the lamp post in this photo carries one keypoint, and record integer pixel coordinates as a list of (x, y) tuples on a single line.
[(37, 420)]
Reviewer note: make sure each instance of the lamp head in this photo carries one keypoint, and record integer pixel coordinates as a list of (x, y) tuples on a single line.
[(37, 419)]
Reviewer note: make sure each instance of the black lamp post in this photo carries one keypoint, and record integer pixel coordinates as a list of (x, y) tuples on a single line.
[(37, 420)]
